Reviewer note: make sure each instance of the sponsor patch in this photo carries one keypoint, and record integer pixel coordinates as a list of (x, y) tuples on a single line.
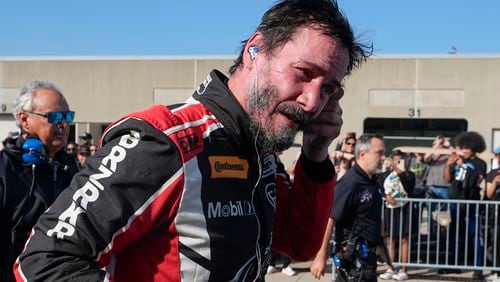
[(201, 89), (189, 143), (228, 167), (269, 165), (271, 194), (366, 197), (229, 209)]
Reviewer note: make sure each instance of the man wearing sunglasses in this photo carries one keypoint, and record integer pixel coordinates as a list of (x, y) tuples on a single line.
[(26, 190)]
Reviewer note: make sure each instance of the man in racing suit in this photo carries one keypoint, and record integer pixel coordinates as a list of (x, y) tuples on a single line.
[(192, 192)]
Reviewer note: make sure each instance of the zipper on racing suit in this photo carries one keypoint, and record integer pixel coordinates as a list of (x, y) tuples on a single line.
[(257, 244)]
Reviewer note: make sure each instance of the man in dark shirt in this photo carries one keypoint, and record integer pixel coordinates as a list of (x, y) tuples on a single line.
[(357, 212)]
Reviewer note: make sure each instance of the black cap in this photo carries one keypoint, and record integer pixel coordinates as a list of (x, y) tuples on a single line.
[(85, 135)]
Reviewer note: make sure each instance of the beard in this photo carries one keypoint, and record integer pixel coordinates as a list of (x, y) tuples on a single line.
[(260, 110)]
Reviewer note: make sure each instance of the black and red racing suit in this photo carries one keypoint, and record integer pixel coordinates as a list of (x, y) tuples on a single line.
[(180, 194)]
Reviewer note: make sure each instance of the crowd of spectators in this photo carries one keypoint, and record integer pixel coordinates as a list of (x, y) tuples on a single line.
[(83, 150), (456, 175)]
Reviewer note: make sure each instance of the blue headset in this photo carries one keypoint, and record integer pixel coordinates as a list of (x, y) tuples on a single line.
[(34, 150)]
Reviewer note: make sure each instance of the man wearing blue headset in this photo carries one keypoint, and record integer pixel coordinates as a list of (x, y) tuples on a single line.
[(34, 168)]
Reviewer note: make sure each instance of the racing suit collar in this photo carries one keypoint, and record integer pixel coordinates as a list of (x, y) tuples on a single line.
[(216, 96)]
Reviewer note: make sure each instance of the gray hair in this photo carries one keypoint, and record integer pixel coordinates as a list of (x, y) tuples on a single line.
[(364, 143), (24, 102)]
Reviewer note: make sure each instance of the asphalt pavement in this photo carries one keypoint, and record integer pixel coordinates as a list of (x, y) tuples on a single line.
[(415, 274)]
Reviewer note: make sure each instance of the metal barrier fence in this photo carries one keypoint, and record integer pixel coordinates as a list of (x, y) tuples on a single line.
[(458, 234)]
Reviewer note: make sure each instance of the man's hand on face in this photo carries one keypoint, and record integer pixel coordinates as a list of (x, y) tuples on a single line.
[(322, 130)]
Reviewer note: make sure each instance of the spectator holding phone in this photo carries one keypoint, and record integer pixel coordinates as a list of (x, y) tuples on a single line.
[(398, 183), (465, 173), (437, 186), (343, 157)]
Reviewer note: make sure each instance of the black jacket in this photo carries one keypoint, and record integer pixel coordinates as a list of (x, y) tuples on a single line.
[(18, 211), (357, 206), (465, 182)]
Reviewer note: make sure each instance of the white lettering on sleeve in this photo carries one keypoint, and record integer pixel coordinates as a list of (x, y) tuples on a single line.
[(117, 155), (89, 192), (64, 228)]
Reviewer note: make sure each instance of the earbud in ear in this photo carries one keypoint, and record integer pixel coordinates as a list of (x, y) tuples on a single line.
[(253, 50)]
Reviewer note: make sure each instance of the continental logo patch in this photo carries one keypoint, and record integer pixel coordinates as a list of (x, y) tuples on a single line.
[(228, 167)]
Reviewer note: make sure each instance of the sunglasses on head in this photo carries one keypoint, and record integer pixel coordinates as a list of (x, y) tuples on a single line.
[(57, 117)]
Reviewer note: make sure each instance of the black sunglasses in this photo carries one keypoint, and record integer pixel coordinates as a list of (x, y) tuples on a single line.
[(57, 117)]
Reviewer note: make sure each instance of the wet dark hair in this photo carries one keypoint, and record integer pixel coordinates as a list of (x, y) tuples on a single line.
[(280, 23), (471, 140)]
